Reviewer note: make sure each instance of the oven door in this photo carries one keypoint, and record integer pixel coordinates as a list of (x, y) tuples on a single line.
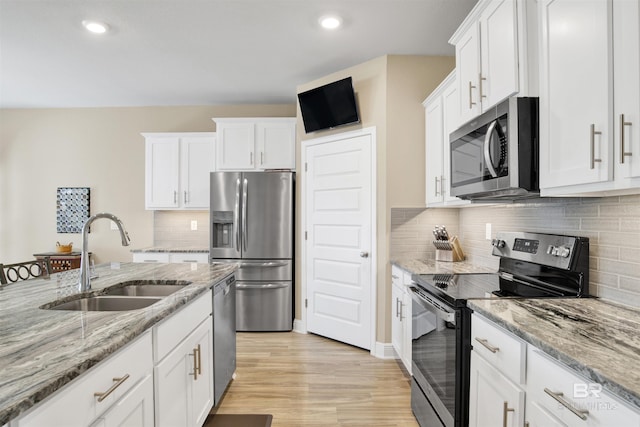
[(434, 358)]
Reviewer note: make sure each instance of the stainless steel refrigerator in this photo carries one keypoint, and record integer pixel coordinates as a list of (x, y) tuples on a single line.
[(251, 215)]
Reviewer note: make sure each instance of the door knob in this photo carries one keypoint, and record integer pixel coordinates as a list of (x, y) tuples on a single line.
[(364, 254)]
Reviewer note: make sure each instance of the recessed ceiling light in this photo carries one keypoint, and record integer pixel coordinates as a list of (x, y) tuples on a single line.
[(330, 22), (95, 27)]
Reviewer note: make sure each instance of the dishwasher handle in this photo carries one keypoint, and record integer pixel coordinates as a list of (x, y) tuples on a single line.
[(262, 286)]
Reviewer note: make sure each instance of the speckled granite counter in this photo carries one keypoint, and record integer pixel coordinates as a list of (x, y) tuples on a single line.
[(42, 350), (596, 338), (429, 266), (185, 249)]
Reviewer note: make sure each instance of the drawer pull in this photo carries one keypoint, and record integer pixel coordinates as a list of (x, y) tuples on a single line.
[(505, 412), (189, 260), (488, 346), (150, 260), (582, 413), (197, 362), (118, 382)]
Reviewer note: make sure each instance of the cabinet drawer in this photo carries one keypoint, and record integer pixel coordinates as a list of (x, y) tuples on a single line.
[(76, 405), (201, 258), (499, 347), (151, 257), (573, 391), (169, 333)]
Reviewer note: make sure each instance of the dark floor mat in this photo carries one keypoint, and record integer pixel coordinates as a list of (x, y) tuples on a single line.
[(238, 420)]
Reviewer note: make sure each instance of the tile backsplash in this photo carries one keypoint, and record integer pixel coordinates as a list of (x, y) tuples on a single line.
[(173, 229), (611, 223)]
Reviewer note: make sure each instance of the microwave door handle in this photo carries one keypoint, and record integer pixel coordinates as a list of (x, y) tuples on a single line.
[(236, 215), (487, 153)]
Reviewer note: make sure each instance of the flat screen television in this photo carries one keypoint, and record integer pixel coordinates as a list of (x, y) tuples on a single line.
[(329, 106)]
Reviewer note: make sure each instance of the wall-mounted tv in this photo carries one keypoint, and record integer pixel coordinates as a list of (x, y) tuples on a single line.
[(329, 106)]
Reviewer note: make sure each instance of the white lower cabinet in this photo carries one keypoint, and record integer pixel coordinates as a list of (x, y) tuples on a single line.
[(133, 409), (184, 381), (184, 367), (401, 328), (97, 395), (570, 399), (493, 399), (514, 383), (171, 257)]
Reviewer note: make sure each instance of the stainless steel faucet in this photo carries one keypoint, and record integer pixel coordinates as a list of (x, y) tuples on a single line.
[(85, 276)]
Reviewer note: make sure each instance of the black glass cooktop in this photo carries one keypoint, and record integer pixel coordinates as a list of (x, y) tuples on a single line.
[(456, 289)]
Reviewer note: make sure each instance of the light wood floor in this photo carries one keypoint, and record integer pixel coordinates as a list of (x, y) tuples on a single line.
[(307, 380)]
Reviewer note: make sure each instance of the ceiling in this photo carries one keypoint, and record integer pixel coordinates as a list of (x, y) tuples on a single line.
[(201, 52)]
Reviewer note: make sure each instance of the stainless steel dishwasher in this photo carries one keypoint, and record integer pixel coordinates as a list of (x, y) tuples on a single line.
[(224, 335)]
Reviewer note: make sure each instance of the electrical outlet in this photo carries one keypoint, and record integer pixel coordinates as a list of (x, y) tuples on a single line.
[(487, 232), (194, 225)]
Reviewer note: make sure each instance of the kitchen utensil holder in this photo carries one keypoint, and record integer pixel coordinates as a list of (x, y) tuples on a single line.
[(445, 251)]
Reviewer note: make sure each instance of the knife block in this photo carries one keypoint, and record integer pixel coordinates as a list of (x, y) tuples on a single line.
[(448, 250)]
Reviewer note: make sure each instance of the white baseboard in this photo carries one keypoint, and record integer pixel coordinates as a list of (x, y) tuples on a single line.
[(299, 326), (384, 351)]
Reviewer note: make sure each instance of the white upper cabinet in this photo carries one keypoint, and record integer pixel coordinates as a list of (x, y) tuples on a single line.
[(256, 143), (441, 118), (177, 167), (493, 49), (589, 97)]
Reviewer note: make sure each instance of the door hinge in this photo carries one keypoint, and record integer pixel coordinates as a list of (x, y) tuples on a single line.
[(306, 303), (305, 166)]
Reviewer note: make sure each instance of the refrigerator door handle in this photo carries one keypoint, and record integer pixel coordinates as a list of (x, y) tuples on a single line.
[(262, 264), (236, 215), (263, 286), (245, 237)]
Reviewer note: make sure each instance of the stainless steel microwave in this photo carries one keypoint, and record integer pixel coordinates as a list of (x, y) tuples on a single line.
[(495, 156)]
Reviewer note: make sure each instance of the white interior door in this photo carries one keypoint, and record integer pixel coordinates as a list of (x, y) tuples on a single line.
[(338, 209)]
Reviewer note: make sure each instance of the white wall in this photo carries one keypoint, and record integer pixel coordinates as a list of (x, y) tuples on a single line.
[(100, 148)]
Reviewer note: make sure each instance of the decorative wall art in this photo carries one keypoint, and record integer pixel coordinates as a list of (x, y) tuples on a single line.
[(72, 208)]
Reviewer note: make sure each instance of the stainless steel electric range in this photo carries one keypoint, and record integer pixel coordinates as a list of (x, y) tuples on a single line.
[(532, 265)]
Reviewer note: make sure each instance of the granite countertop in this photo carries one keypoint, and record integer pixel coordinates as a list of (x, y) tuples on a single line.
[(431, 266), (600, 340), (185, 249), (54, 347)]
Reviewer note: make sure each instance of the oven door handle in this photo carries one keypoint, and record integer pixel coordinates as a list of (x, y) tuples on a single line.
[(432, 305), (487, 152)]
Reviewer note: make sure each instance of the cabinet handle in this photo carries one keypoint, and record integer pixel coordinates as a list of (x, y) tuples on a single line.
[(394, 276), (489, 347), (401, 316), (251, 158), (622, 125), (436, 185), (150, 260), (594, 132), (118, 382), (442, 187), (189, 260), (581, 413), (175, 196), (471, 103), (185, 197), (261, 158), (197, 369), (397, 310), (480, 78), (505, 411), (199, 360)]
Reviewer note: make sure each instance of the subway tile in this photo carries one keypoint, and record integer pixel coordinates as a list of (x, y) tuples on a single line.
[(631, 284), (620, 210), (620, 268), (632, 256), (600, 224), (601, 251)]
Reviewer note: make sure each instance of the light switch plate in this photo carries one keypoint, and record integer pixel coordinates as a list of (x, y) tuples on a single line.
[(194, 225)]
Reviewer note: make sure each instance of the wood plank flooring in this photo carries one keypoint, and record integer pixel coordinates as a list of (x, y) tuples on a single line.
[(308, 380)]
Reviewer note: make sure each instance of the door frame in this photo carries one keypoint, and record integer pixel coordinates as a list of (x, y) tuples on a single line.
[(371, 132)]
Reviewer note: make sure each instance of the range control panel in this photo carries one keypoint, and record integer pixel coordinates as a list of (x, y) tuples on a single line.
[(546, 249)]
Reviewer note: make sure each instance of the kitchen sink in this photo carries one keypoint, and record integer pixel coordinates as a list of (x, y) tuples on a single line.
[(105, 303), (146, 288)]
